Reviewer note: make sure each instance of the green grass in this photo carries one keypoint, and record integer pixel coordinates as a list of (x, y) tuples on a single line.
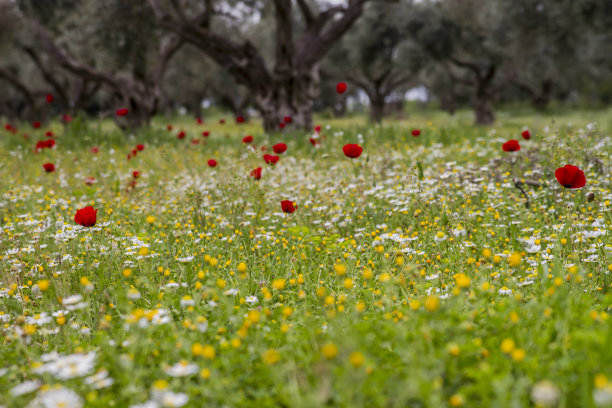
[(413, 276)]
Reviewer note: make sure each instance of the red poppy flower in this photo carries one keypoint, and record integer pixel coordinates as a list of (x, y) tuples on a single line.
[(86, 216), (212, 162), (121, 112), (95, 150), (129, 156), (181, 134), (279, 148), (169, 127), (36, 125), (247, 139), (134, 152), (270, 159), (135, 174), (352, 150), (49, 167), (570, 176), (526, 135), (49, 98), (256, 174), (341, 87), (199, 120), (288, 206), (287, 119), (45, 144), (313, 141), (140, 147), (206, 133), (8, 126), (240, 119), (264, 148), (90, 181), (281, 125), (195, 141), (416, 132), (511, 146), (49, 133), (318, 128), (222, 121), (67, 118)]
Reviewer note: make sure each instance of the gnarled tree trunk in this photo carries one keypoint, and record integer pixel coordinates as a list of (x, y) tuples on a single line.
[(287, 90), (483, 110)]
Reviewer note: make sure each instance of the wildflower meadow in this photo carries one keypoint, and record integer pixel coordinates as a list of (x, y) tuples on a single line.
[(424, 263)]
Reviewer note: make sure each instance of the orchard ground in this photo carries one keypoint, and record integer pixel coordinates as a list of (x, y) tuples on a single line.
[(413, 276)]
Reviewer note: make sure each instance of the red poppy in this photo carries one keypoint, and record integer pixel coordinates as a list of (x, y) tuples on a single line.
[(240, 119), (90, 181), (181, 134), (129, 156), (222, 121), (86, 216), (281, 125), (135, 174), (212, 162), (341, 87), (526, 135), (49, 133), (288, 206), (8, 126), (206, 133), (416, 132), (199, 120), (511, 146), (45, 144), (121, 112), (318, 128), (49, 167), (570, 176), (95, 150), (134, 152), (256, 174), (36, 125), (264, 148), (49, 98), (247, 139), (287, 119), (352, 150), (140, 147), (67, 118), (169, 127), (195, 141), (270, 159), (313, 141), (279, 148)]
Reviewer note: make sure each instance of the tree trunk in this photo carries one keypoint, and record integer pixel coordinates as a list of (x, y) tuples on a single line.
[(483, 109), (291, 99), (448, 103), (540, 100), (377, 108), (289, 90)]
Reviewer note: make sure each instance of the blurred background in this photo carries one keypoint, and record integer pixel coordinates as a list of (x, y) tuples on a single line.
[(278, 62)]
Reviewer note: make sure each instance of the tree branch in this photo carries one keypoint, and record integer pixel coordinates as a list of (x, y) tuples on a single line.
[(242, 61), (306, 12), (14, 80), (47, 75), (468, 65), (314, 44)]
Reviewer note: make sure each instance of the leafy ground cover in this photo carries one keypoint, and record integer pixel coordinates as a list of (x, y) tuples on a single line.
[(432, 270)]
